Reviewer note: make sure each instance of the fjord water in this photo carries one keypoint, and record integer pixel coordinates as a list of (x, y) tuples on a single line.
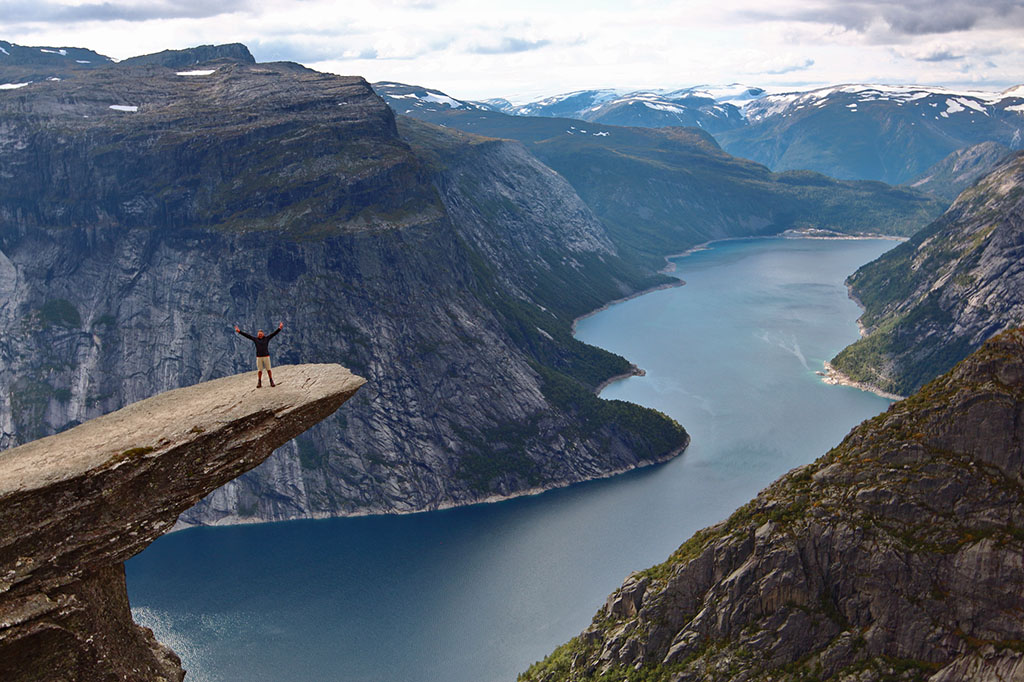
[(477, 594)]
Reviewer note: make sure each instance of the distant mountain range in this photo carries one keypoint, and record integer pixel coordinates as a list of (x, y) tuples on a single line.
[(868, 132), (888, 133), (713, 109), (662, 190)]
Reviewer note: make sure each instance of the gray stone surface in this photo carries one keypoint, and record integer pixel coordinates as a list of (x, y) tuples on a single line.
[(933, 300), (76, 505)]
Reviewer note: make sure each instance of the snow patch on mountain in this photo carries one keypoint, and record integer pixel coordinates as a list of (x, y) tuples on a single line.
[(442, 99), (956, 101)]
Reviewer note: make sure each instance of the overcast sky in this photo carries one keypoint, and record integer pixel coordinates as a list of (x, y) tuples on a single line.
[(522, 49)]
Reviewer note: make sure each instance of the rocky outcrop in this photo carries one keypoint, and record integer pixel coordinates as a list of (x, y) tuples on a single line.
[(899, 555), (76, 505), (445, 268), (194, 56), (931, 301)]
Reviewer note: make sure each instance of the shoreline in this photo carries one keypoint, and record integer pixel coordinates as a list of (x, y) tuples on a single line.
[(228, 521), (834, 377), (806, 233), (634, 372), (609, 304)]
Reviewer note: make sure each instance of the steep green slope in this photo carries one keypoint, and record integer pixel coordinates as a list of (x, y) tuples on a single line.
[(961, 169), (144, 213), (932, 300), (896, 556), (664, 190)]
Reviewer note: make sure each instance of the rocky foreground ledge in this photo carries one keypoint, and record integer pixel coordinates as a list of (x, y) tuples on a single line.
[(75, 506), (899, 555)]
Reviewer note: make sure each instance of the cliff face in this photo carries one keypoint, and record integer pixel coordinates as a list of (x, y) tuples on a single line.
[(935, 298), (444, 268), (75, 506), (898, 555)]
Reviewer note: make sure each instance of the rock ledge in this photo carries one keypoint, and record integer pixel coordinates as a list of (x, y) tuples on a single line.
[(75, 506)]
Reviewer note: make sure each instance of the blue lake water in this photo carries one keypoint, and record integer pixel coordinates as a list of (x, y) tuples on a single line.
[(477, 594)]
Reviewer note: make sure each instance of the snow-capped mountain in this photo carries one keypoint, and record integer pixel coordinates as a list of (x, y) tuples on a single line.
[(708, 107), (411, 99), (20, 65), (892, 133), (943, 101), (11, 54)]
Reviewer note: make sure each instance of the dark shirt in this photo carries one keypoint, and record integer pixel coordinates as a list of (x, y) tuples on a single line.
[(262, 350)]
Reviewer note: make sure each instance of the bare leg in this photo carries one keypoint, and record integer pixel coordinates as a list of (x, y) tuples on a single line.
[(259, 379), (271, 377)]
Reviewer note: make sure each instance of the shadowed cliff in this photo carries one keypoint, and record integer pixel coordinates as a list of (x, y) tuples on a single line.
[(896, 556), (76, 505)]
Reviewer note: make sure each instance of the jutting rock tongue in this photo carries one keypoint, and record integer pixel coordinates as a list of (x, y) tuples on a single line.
[(75, 506)]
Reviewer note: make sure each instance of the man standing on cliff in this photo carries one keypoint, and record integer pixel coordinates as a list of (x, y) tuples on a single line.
[(262, 352)]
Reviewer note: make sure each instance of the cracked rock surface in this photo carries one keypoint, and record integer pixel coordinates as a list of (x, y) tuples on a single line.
[(76, 505)]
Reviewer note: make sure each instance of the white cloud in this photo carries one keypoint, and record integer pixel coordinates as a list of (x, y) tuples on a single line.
[(486, 48)]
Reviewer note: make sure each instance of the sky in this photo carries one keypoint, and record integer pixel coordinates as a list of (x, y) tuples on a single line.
[(526, 49)]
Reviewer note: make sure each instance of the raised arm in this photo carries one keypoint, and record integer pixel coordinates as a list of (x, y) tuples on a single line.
[(239, 331), (274, 333)]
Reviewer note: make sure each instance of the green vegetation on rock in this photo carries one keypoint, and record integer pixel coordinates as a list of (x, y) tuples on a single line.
[(932, 300), (882, 560)]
